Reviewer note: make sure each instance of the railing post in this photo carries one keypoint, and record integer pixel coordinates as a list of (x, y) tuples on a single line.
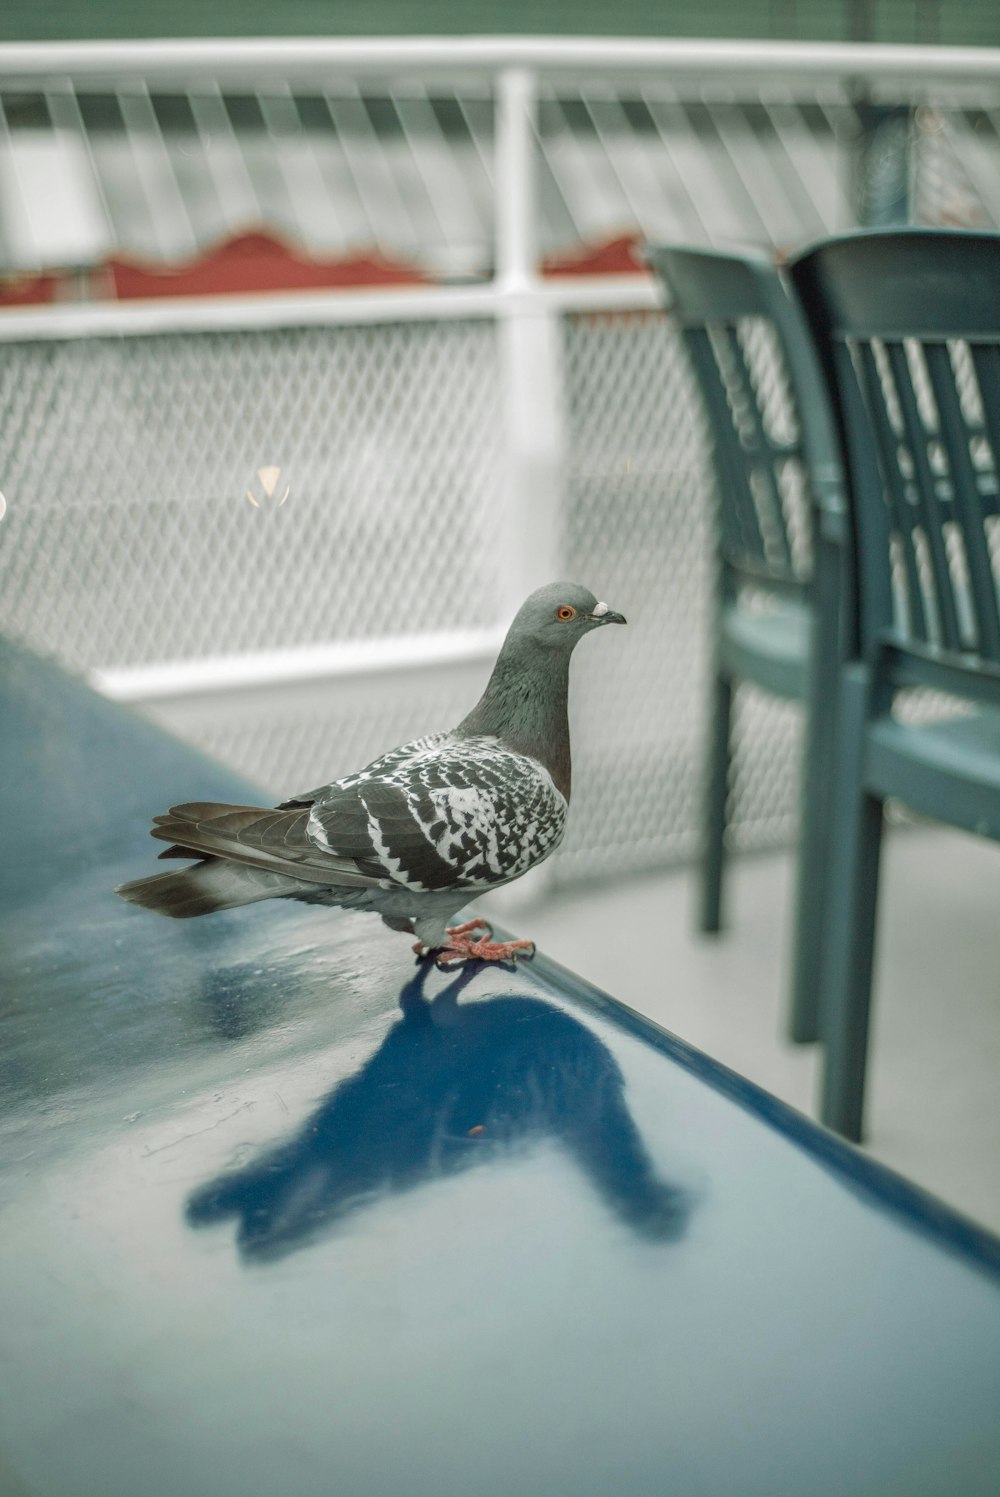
[(529, 336), (528, 535)]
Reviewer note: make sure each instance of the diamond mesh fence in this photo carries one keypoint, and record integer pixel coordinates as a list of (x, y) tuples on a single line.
[(140, 530), (183, 496), (638, 507), (130, 540)]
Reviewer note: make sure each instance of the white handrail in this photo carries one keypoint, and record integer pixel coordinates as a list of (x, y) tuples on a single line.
[(266, 56), (279, 309), (174, 680)]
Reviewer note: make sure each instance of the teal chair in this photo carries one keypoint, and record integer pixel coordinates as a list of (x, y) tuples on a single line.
[(907, 325), (778, 582)]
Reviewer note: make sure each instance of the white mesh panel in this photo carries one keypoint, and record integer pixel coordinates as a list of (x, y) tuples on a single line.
[(126, 462), (638, 508), (129, 540)]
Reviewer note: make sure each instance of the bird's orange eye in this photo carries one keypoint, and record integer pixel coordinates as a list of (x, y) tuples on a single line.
[(565, 612)]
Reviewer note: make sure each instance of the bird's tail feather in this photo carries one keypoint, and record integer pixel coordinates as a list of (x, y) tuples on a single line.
[(206, 887)]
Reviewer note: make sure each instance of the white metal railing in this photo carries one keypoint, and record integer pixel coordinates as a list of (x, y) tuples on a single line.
[(517, 73), (242, 58), (618, 438), (205, 314), (523, 305)]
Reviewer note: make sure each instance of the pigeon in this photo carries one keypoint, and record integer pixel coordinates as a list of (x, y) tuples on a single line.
[(422, 830)]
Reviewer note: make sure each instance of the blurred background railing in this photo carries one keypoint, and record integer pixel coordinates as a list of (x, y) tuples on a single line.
[(403, 279)]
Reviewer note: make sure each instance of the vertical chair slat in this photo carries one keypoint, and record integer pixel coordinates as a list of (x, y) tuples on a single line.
[(895, 484), (739, 523), (986, 363), (931, 510), (982, 581), (874, 583), (763, 450)]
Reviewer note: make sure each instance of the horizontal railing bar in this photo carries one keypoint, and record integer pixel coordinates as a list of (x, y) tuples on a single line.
[(201, 314), (254, 58), (172, 680)]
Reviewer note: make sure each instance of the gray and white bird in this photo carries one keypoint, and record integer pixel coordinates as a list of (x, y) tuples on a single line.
[(422, 830)]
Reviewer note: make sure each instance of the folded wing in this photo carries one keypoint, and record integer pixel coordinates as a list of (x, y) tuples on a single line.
[(464, 815)]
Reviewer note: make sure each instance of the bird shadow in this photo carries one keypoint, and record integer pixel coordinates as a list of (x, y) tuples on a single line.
[(451, 1087)]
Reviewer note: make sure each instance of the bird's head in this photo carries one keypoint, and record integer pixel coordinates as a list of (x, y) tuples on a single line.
[(560, 614)]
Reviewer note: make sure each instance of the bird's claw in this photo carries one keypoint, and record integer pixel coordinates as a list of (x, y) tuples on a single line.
[(469, 927), (484, 948), (461, 948)]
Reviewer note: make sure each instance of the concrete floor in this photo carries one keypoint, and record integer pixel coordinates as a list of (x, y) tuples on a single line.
[(934, 1076)]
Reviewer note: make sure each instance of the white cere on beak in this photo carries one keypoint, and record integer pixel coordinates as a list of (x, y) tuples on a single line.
[(600, 609)]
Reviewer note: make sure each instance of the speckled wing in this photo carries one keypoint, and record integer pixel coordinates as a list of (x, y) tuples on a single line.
[(442, 813), (384, 765)]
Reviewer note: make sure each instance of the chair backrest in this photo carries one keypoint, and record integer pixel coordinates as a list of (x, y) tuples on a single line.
[(774, 443), (908, 328)]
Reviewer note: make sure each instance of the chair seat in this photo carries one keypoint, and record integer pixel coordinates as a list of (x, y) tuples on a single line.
[(949, 771), (770, 649)]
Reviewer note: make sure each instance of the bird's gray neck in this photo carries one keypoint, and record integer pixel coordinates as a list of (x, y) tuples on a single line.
[(525, 705)]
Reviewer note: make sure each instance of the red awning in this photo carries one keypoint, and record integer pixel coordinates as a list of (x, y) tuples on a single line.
[(259, 261), (28, 291), (256, 261), (618, 256)]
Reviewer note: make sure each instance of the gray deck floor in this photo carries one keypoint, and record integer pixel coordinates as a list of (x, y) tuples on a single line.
[(934, 1088)]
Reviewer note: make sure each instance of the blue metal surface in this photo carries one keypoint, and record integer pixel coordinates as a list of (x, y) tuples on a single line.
[(282, 1212)]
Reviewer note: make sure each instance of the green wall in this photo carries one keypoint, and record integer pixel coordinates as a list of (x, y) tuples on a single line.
[(949, 21)]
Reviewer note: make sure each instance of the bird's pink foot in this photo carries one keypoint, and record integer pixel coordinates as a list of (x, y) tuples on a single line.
[(457, 930), (469, 927), (461, 949)]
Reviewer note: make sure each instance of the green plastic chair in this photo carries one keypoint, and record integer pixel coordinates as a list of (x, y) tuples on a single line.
[(907, 324), (776, 593)]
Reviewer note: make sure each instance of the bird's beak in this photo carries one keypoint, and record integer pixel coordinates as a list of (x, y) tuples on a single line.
[(602, 614)]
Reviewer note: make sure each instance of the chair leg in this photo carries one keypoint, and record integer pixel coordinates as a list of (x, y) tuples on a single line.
[(716, 796), (811, 888), (849, 947), (818, 768)]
